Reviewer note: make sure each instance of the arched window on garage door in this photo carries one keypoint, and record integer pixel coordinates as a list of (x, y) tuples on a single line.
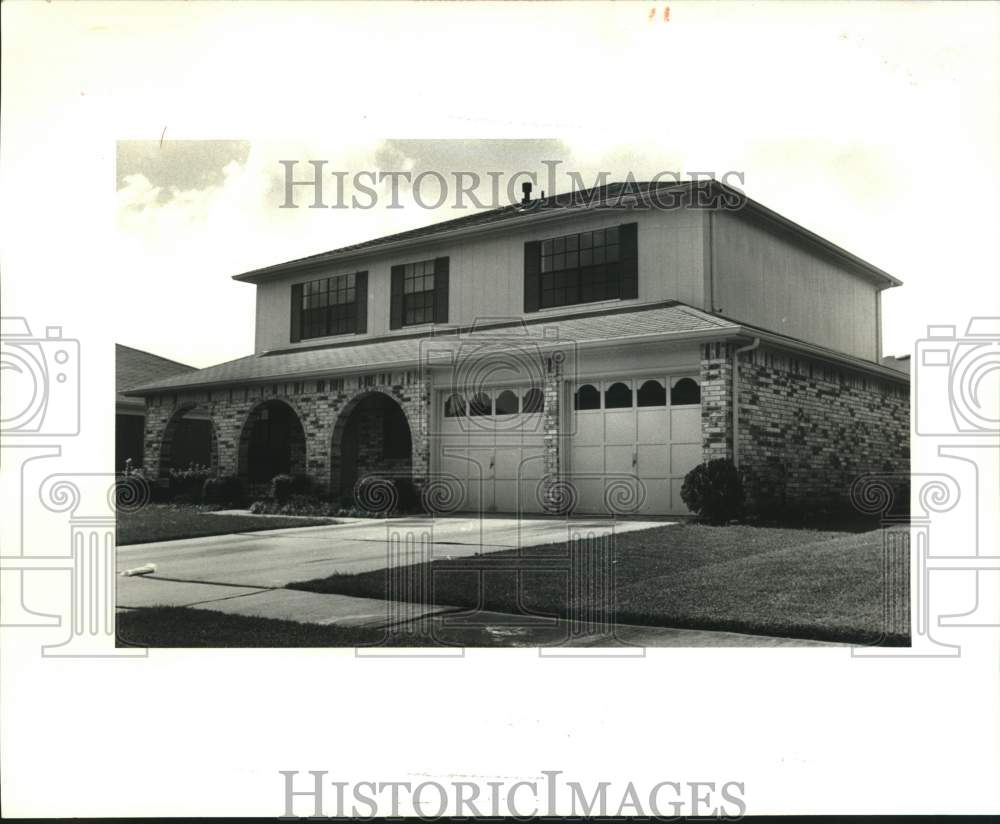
[(587, 397), (533, 401), (454, 407), (685, 392), (618, 396), (480, 405), (651, 393), (506, 403)]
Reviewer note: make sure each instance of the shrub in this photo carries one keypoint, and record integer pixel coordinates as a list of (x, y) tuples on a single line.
[(714, 491), (186, 484), (226, 489), (295, 505), (407, 496), (284, 486)]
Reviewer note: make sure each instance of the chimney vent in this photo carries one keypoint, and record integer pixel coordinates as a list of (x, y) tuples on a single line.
[(526, 189)]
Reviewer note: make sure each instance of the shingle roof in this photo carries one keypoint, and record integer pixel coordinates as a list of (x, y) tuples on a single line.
[(613, 195), (134, 367), (630, 194), (393, 352)]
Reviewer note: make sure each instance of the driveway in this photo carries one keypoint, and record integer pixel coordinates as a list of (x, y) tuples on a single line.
[(217, 569)]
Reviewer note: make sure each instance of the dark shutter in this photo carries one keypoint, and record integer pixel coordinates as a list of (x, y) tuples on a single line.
[(441, 290), (361, 302), (396, 298), (532, 266), (628, 238), (295, 325)]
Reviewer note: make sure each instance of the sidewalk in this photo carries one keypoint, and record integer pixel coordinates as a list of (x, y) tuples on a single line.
[(449, 624)]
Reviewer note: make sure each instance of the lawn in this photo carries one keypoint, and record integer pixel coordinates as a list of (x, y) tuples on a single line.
[(795, 583), (186, 627), (169, 522)]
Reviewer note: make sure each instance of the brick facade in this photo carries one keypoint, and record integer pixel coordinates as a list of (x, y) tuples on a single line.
[(807, 428), (321, 406)]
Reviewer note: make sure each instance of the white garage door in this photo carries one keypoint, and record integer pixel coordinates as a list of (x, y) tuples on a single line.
[(492, 444), (635, 440)]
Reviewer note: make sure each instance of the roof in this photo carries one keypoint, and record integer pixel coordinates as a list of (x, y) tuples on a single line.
[(662, 320), (628, 195), (667, 321), (134, 367)]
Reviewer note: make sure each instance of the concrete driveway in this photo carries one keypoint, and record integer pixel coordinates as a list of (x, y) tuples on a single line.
[(197, 571)]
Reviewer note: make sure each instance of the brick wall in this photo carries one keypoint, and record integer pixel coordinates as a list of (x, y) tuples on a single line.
[(322, 407), (807, 428)]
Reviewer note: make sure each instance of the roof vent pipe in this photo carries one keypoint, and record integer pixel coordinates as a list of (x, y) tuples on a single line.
[(526, 190), (736, 398)]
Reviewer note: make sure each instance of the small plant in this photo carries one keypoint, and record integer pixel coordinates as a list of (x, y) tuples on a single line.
[(714, 491), (284, 486)]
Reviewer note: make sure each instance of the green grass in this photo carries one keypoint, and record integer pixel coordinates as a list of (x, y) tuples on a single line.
[(187, 627), (797, 583), (170, 522)]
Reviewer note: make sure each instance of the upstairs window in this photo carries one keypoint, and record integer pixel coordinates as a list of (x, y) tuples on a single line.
[(585, 267), (329, 306), (419, 293)]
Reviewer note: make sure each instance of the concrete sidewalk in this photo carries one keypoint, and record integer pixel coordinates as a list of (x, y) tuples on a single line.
[(449, 625)]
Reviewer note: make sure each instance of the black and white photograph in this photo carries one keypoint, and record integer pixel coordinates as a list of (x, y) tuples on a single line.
[(551, 408)]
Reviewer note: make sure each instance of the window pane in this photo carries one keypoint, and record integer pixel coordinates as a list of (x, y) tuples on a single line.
[(587, 397), (586, 240), (685, 392), (652, 393), (611, 236), (481, 404), (612, 253), (506, 403), (598, 237), (586, 257), (546, 247), (559, 245), (454, 407), (534, 401), (571, 243), (618, 396)]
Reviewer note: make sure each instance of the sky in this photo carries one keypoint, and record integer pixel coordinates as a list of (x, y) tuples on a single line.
[(151, 136)]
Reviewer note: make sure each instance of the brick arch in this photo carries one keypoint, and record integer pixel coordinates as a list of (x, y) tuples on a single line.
[(298, 440), (343, 420), (164, 455)]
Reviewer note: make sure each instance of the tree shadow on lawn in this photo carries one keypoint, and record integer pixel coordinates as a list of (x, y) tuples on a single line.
[(798, 583)]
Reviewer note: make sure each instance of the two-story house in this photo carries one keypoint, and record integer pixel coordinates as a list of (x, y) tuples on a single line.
[(579, 352)]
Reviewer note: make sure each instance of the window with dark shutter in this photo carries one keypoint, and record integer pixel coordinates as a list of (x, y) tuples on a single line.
[(329, 306), (419, 293), (586, 267)]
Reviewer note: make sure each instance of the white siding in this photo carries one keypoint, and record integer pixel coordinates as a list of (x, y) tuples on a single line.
[(765, 278), (486, 273)]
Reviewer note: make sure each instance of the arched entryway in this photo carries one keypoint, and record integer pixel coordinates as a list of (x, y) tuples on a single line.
[(371, 437), (273, 442), (189, 439)]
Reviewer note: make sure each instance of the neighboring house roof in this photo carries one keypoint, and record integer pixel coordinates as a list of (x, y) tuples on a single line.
[(627, 195), (134, 367), (900, 362), (666, 320)]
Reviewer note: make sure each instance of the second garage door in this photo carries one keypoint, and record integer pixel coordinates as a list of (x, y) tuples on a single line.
[(635, 440)]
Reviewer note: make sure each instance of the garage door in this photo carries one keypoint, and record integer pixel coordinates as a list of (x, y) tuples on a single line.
[(635, 440), (492, 445)]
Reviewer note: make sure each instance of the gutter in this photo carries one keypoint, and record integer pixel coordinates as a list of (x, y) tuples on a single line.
[(736, 397)]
